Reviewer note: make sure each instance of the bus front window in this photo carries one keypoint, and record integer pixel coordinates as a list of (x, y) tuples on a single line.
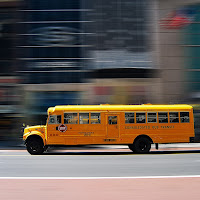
[(54, 119)]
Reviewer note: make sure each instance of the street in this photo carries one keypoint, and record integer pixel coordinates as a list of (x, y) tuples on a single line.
[(100, 174), (99, 164)]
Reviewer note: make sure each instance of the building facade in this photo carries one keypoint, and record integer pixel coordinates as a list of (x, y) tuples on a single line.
[(50, 46), (179, 51), (87, 52)]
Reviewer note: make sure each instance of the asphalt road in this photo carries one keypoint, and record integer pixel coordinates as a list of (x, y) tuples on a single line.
[(99, 164)]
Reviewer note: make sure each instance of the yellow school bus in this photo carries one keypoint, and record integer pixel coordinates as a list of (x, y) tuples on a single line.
[(138, 126)]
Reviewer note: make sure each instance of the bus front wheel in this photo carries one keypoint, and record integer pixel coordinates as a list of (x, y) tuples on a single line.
[(141, 145), (35, 146)]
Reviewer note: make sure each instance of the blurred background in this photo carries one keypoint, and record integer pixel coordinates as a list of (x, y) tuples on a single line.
[(92, 52)]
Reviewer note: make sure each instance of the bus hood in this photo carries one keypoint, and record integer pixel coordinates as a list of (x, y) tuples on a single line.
[(38, 128)]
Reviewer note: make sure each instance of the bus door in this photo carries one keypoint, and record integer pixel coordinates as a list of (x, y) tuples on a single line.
[(112, 126), (55, 129)]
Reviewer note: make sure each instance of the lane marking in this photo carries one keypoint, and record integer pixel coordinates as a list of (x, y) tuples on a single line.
[(16, 155), (93, 178)]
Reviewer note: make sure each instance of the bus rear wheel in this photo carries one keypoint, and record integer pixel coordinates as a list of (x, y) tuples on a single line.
[(35, 146), (141, 145)]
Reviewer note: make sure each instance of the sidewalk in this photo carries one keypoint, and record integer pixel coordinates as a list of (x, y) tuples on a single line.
[(98, 189)]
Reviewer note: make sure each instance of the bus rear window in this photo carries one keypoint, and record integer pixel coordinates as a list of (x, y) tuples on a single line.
[(184, 117)]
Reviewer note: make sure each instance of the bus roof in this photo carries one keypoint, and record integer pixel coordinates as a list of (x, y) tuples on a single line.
[(107, 107)]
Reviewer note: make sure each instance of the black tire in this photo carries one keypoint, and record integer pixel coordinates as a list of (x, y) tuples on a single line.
[(141, 145), (46, 148), (35, 146), (131, 147)]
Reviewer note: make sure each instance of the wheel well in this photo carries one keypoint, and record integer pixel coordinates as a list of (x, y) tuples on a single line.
[(144, 136), (34, 137)]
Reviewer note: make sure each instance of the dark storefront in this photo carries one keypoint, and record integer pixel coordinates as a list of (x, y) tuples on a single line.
[(9, 92)]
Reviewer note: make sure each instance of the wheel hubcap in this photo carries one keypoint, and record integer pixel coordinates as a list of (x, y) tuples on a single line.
[(142, 146), (34, 146)]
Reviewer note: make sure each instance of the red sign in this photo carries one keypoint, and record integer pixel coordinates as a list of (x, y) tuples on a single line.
[(62, 128), (179, 18), (175, 22)]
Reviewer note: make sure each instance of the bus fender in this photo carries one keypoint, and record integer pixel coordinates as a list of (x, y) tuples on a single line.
[(144, 136), (26, 136)]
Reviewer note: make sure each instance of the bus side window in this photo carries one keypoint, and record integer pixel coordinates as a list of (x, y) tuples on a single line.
[(129, 118), (70, 118), (163, 117), (184, 117), (140, 117), (83, 118), (152, 117), (52, 119), (173, 117), (58, 119), (55, 119), (95, 118)]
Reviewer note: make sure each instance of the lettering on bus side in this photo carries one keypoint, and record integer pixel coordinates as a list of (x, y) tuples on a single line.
[(137, 127), (86, 133), (149, 127), (167, 127), (109, 140)]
